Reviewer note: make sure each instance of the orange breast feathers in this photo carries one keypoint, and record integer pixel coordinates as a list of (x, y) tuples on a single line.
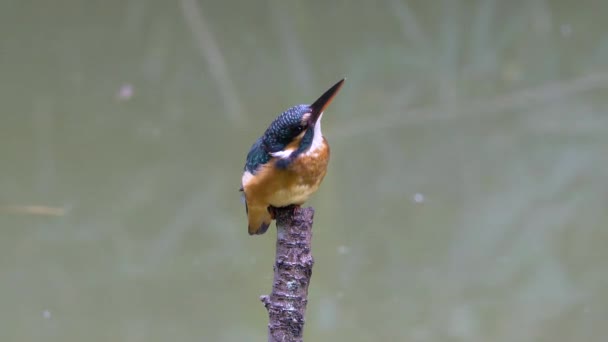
[(271, 186)]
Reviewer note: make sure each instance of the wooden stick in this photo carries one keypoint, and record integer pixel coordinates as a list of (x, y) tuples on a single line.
[(286, 304)]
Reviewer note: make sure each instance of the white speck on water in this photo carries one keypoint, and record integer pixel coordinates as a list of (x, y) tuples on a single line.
[(343, 250), (46, 314), (418, 198), (125, 92)]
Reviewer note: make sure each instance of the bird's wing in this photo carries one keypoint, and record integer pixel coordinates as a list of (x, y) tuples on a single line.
[(257, 156)]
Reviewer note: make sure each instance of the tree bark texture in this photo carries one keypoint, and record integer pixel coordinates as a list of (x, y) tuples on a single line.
[(286, 304)]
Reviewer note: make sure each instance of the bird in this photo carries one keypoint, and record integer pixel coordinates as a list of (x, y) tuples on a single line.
[(287, 164)]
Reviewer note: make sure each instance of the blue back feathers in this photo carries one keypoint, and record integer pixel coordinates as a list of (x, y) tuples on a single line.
[(257, 156)]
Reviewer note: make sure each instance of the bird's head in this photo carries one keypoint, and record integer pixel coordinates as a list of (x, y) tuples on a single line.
[(298, 129)]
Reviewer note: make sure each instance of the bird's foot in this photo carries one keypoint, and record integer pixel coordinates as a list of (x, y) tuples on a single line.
[(273, 210)]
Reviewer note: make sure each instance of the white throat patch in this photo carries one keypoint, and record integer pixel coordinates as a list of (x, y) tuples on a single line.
[(317, 139)]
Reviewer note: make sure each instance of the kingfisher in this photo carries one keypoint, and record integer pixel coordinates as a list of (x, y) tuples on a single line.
[(287, 163)]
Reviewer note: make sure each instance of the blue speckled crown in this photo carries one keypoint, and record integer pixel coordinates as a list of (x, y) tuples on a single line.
[(284, 128)]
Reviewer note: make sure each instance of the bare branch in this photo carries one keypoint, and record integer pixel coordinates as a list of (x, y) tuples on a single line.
[(286, 304)]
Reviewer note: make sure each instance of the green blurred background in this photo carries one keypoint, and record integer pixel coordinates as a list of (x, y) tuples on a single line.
[(465, 201)]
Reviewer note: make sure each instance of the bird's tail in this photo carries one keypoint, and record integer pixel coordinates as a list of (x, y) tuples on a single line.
[(259, 219)]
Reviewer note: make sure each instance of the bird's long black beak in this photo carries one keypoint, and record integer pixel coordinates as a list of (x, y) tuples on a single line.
[(322, 102)]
